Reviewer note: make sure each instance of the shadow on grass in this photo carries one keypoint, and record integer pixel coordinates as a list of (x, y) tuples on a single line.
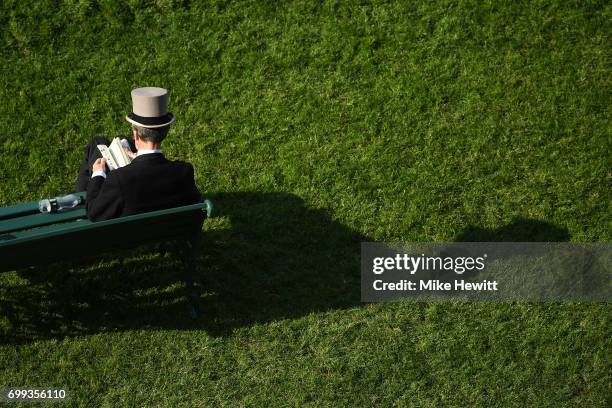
[(270, 258), (519, 230)]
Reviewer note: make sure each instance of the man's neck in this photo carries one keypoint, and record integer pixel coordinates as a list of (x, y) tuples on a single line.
[(149, 146)]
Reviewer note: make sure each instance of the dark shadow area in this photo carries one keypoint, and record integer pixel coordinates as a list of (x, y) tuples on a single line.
[(268, 257), (519, 230), (264, 257), (574, 272), (278, 260)]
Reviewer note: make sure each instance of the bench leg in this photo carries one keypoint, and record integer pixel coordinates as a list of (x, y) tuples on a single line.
[(187, 254)]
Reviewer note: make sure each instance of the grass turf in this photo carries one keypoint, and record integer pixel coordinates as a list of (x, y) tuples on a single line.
[(314, 126)]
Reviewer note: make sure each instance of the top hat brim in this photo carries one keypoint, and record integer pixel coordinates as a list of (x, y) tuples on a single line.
[(153, 122)]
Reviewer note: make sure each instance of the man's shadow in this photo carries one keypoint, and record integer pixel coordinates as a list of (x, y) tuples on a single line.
[(263, 257), (519, 230)]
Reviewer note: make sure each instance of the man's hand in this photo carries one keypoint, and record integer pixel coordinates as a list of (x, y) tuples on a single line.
[(99, 165)]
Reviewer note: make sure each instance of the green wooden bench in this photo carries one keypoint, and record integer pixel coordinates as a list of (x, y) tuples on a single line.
[(29, 238)]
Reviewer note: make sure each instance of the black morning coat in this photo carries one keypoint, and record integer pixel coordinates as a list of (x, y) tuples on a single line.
[(150, 182)]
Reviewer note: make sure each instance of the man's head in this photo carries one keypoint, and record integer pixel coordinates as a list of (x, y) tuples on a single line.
[(150, 118), (149, 136)]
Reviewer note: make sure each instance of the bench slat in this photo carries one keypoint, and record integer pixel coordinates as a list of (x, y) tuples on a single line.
[(20, 237), (40, 220), (20, 210), (76, 238)]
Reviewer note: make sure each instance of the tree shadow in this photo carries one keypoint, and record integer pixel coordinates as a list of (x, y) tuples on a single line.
[(268, 257)]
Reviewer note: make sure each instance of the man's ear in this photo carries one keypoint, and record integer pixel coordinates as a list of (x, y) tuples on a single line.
[(135, 135)]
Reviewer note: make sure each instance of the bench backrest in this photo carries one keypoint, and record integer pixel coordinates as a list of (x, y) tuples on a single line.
[(70, 235)]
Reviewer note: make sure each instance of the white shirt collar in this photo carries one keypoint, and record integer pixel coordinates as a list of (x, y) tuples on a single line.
[(147, 151)]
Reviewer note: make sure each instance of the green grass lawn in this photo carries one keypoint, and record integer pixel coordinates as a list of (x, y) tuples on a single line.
[(314, 126)]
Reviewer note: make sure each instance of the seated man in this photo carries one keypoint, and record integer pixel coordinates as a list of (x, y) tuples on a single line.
[(150, 182)]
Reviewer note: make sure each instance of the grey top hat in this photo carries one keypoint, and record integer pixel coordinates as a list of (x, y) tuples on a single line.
[(150, 108)]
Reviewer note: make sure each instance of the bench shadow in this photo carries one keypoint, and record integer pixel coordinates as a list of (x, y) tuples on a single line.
[(264, 257)]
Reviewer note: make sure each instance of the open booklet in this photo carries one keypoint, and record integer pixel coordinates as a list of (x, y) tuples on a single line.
[(115, 154)]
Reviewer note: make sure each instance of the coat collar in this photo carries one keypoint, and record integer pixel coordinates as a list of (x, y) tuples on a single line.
[(151, 157)]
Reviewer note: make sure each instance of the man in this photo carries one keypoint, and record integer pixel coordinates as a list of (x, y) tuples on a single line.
[(150, 182)]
